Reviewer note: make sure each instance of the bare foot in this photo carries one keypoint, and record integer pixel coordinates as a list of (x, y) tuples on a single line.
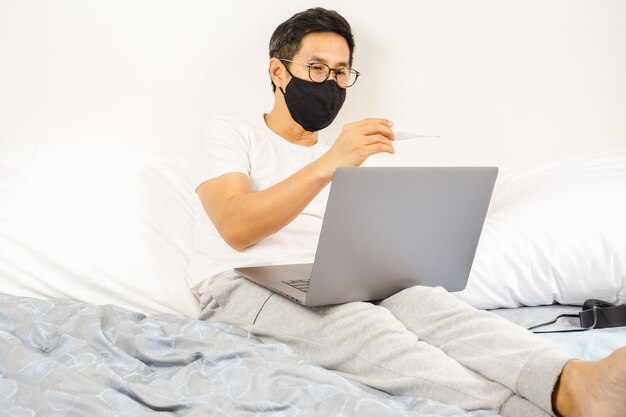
[(593, 388)]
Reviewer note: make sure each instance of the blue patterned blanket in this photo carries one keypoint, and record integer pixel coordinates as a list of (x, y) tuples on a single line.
[(63, 358)]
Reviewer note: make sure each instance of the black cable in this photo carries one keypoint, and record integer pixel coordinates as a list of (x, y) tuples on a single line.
[(595, 322)]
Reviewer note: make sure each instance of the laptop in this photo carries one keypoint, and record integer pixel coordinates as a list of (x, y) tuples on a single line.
[(386, 229)]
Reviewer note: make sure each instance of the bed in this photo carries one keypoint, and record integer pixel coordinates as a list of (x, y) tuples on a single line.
[(97, 317)]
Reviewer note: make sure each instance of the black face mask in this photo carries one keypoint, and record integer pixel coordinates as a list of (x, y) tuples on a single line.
[(313, 105)]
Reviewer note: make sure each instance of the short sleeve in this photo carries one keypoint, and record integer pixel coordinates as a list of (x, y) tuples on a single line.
[(222, 150)]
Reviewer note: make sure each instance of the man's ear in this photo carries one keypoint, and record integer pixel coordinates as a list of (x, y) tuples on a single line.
[(278, 73)]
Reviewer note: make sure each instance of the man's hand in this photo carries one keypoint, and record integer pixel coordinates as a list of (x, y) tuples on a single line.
[(358, 141)]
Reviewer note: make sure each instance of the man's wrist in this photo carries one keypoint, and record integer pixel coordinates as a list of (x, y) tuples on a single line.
[(323, 170)]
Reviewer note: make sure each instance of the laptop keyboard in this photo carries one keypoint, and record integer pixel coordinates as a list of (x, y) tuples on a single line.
[(299, 284)]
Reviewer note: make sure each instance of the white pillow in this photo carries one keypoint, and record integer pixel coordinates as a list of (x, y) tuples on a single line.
[(96, 223), (555, 231)]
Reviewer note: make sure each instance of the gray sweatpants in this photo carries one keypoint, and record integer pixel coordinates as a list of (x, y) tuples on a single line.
[(419, 342)]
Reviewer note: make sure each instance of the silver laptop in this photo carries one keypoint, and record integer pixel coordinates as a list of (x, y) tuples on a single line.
[(386, 229)]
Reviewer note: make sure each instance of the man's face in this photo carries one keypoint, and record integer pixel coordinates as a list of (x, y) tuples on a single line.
[(326, 47)]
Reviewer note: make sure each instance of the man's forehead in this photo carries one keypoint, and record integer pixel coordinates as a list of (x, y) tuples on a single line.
[(329, 48)]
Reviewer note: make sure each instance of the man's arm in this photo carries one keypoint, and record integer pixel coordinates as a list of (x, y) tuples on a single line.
[(244, 218)]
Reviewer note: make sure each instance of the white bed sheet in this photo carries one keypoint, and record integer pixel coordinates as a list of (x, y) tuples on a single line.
[(591, 344)]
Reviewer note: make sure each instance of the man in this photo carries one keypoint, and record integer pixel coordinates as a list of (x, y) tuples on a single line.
[(262, 183)]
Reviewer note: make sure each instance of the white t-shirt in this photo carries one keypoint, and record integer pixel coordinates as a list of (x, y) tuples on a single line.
[(250, 147)]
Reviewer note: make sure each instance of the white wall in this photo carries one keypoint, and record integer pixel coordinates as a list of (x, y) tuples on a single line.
[(502, 81)]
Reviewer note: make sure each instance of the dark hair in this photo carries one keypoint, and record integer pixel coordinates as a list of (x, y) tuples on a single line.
[(286, 39)]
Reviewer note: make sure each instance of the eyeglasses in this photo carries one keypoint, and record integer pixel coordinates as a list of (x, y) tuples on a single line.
[(319, 72)]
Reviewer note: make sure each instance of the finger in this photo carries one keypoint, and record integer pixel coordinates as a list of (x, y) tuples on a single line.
[(377, 138), (371, 120), (377, 129), (381, 147)]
